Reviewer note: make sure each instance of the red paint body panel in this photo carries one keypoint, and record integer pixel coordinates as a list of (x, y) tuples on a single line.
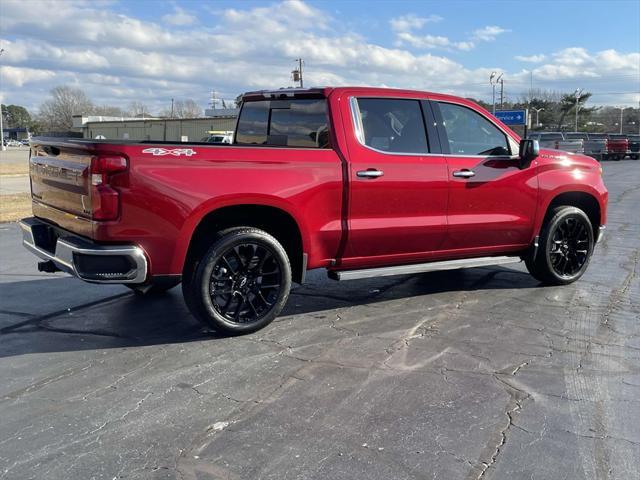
[(416, 212)]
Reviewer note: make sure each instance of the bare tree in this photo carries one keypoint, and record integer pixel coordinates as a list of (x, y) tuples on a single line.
[(138, 109), (183, 109), (108, 111), (56, 113)]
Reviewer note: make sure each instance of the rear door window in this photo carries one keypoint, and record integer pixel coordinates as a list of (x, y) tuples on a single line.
[(469, 133), (287, 123), (393, 125)]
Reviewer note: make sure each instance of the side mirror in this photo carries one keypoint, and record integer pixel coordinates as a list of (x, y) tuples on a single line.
[(529, 151)]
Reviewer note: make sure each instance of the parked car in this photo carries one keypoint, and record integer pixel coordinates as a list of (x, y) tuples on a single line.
[(634, 146), (618, 146), (594, 147), (218, 137), (24, 141), (557, 141), (364, 182)]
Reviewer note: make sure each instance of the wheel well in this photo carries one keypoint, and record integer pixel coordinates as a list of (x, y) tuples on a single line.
[(274, 221), (584, 201)]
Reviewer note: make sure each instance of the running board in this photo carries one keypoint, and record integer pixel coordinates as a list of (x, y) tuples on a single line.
[(421, 267)]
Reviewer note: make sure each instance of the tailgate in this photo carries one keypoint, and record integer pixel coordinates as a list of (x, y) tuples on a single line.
[(60, 177)]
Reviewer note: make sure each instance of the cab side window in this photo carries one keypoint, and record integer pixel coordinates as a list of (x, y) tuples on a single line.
[(392, 125), (469, 133)]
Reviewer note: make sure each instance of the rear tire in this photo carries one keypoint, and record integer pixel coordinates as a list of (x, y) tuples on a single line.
[(565, 248), (240, 283)]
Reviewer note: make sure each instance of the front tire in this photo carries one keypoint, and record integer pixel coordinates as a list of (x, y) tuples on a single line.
[(565, 248), (241, 283)]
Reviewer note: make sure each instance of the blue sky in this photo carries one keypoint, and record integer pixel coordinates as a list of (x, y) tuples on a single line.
[(150, 51)]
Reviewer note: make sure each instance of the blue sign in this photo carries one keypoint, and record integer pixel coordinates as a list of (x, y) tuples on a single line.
[(512, 117)]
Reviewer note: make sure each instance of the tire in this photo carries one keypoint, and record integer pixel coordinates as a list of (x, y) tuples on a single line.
[(251, 272), (565, 248), (154, 289)]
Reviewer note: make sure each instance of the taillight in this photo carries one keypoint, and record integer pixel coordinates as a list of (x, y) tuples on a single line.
[(105, 200)]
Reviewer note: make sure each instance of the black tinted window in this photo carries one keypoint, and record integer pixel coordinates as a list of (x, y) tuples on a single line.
[(253, 123), (292, 123), (393, 125), (469, 133)]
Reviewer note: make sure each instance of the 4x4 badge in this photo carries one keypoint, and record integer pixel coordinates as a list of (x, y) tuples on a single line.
[(176, 152)]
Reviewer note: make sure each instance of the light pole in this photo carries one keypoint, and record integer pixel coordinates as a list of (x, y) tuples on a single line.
[(538, 110), (493, 81), (621, 112), (2, 147), (578, 92)]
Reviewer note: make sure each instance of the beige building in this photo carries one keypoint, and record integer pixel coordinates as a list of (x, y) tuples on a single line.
[(171, 130)]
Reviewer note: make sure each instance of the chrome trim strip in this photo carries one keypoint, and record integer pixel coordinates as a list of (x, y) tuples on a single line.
[(65, 249), (601, 231), (422, 267), (359, 131)]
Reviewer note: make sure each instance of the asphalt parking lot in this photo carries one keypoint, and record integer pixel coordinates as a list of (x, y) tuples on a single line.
[(453, 375)]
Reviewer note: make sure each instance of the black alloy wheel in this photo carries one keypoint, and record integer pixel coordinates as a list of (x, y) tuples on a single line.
[(245, 283), (241, 283), (566, 243), (569, 247)]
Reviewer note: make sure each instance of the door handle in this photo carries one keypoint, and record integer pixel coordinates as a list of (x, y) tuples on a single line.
[(372, 173), (465, 173)]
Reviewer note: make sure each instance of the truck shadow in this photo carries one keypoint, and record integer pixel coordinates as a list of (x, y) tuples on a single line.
[(123, 319)]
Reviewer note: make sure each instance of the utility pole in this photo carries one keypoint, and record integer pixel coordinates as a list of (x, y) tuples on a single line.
[(538, 110), (172, 108), (2, 147), (214, 99), (297, 73), (501, 92), (577, 94)]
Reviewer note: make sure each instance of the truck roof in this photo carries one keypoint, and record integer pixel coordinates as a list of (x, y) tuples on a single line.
[(326, 90)]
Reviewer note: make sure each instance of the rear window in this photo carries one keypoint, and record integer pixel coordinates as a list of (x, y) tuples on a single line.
[(551, 136), (576, 136), (287, 123), (598, 136)]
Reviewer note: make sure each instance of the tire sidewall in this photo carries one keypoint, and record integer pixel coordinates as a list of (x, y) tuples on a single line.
[(206, 266), (560, 216)]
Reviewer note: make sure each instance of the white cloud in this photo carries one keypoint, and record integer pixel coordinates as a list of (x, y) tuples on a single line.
[(531, 58), (431, 41), (412, 21), (118, 58), (489, 33), (179, 17), (18, 77)]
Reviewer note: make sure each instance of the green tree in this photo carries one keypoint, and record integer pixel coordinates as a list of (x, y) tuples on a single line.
[(15, 116), (568, 104)]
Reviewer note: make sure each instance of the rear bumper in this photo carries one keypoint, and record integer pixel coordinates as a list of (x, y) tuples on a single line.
[(83, 258)]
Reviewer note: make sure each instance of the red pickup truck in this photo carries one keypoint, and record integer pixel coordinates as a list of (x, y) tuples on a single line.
[(364, 182)]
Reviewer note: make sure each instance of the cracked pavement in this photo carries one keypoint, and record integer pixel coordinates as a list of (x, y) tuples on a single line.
[(471, 374)]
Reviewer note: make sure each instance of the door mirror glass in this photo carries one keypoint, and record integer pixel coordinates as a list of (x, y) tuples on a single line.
[(529, 150)]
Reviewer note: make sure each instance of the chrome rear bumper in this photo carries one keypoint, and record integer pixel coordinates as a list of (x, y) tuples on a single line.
[(83, 258)]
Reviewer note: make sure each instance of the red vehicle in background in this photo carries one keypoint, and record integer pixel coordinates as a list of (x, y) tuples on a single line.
[(618, 146), (363, 182)]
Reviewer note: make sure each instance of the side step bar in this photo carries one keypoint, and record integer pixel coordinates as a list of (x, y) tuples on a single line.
[(421, 267)]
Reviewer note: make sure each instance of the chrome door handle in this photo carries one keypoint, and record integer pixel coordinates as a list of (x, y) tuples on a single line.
[(464, 173), (370, 173)]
